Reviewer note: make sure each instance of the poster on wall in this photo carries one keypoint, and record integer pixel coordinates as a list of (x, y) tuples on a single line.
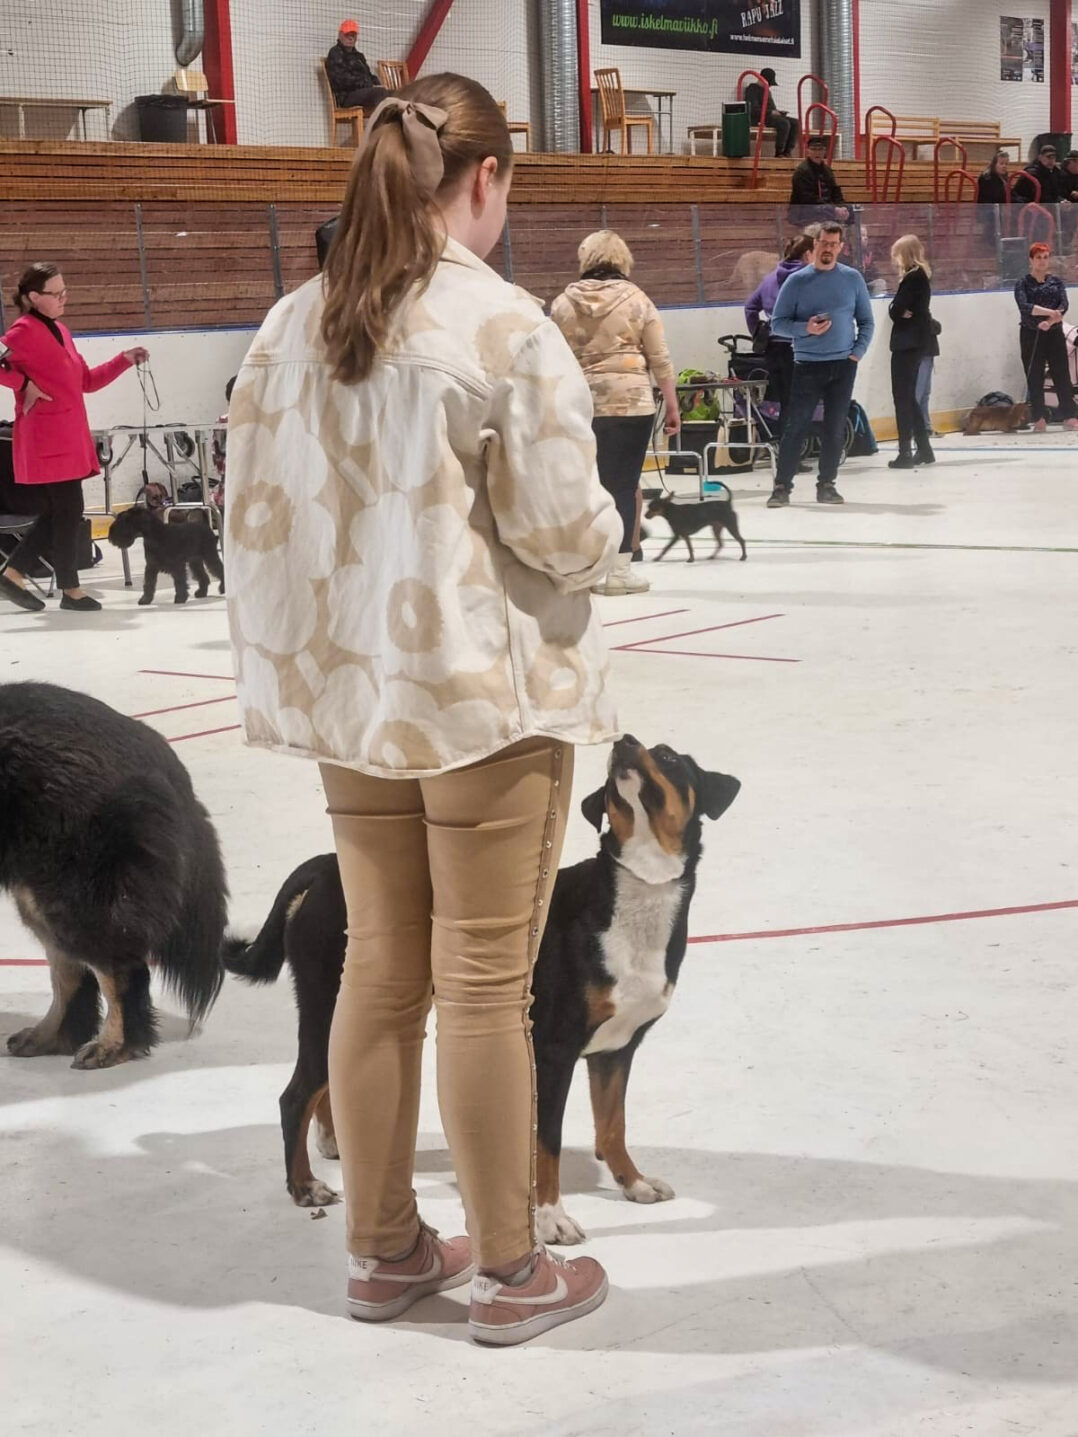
[(728, 27), (1021, 49), (1074, 52)]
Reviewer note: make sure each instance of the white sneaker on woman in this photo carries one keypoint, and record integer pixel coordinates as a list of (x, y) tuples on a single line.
[(622, 580)]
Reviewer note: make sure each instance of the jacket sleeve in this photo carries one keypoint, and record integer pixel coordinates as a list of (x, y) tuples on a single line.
[(866, 320), (102, 374), (1023, 301), (754, 308), (1064, 302), (548, 504), (803, 187), (10, 377), (783, 321), (653, 343)]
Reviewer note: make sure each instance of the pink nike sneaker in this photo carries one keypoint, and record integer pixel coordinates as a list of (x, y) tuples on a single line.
[(556, 1292), (1041, 426), (1070, 424), (380, 1290)]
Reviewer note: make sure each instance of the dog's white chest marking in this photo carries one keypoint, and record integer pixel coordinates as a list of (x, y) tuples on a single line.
[(634, 953)]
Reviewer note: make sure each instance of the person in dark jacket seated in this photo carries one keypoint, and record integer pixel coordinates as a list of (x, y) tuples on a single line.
[(1042, 302), (1068, 178), (912, 337), (992, 183), (353, 82), (787, 130), (1045, 170), (815, 193)]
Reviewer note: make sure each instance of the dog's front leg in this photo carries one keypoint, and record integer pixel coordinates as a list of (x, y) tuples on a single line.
[(688, 541), (553, 1076), (149, 582), (202, 579), (72, 1018), (609, 1077), (130, 1027), (666, 551)]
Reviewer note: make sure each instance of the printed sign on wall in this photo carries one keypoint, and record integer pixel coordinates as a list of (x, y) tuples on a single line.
[(1021, 49), (732, 27)]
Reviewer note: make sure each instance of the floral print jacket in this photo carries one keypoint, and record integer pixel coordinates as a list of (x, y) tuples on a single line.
[(409, 558)]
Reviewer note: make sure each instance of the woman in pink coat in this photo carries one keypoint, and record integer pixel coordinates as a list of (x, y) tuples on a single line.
[(53, 449)]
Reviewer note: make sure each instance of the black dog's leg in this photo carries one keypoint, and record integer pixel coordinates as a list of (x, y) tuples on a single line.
[(72, 1018), (307, 1096), (179, 579), (735, 531), (216, 568), (716, 529), (130, 1028), (554, 1076), (149, 582), (666, 551), (609, 1076), (688, 541), (202, 579)]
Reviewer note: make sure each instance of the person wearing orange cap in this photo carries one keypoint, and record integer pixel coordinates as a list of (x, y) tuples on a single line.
[(354, 83)]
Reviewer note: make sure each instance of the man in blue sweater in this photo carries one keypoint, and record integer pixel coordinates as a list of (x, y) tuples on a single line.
[(825, 309)]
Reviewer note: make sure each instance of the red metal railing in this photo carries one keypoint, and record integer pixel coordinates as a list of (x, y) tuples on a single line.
[(960, 150), (832, 133), (870, 153), (802, 113), (885, 196), (963, 177), (755, 75), (1030, 219), (1023, 177)]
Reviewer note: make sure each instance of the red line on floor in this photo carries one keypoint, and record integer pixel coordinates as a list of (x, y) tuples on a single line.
[(886, 922), (688, 633), (697, 654), (205, 733), (641, 618), (781, 932), (200, 703), (172, 674)]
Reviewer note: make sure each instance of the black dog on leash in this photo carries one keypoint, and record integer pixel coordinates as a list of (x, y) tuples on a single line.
[(114, 867), (610, 957), (172, 547), (686, 517)]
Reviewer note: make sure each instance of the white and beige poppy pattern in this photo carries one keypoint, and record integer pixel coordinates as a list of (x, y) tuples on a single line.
[(409, 559)]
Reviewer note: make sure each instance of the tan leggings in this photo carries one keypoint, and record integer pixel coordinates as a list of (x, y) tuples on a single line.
[(447, 882)]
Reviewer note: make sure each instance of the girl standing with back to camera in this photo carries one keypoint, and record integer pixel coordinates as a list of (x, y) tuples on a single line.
[(53, 448), (414, 522)]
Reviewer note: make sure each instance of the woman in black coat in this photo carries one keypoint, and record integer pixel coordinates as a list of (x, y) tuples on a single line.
[(912, 337)]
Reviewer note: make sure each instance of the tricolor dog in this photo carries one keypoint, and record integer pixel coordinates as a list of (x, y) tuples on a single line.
[(607, 967)]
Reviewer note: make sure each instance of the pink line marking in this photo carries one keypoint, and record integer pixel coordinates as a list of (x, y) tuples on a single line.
[(886, 922), (697, 654), (688, 633), (172, 674), (780, 932), (200, 703), (205, 733), (643, 618)]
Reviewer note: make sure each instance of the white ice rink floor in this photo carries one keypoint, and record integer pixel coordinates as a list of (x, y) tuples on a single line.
[(864, 1093)]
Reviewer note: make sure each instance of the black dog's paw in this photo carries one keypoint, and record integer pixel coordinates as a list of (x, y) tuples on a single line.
[(201, 593), (144, 601), (221, 587), (180, 599)]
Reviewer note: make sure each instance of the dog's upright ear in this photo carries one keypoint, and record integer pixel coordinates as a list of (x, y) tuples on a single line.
[(715, 792), (594, 808)]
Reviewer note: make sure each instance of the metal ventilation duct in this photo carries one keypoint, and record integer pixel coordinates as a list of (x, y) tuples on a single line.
[(835, 63), (192, 25), (560, 93)]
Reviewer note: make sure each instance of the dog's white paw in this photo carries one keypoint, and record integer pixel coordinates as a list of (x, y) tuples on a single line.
[(649, 1190), (314, 1194), (553, 1224), (326, 1142)]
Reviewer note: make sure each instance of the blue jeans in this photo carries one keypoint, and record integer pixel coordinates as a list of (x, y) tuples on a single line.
[(923, 391), (832, 382)]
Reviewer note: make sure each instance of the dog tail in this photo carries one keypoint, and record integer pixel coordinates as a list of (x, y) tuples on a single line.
[(190, 956), (260, 961)]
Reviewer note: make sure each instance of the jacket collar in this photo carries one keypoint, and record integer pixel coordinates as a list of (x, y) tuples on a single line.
[(456, 253)]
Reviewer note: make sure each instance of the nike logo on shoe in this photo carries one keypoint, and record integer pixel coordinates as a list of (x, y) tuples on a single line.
[(485, 1288), (366, 1269)]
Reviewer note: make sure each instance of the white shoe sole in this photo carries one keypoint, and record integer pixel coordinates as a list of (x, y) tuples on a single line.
[(509, 1334), (386, 1311)]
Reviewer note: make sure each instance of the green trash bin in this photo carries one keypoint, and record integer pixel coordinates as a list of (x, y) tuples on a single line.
[(735, 130)]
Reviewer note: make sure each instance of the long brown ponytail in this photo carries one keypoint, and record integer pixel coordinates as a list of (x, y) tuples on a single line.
[(387, 240)]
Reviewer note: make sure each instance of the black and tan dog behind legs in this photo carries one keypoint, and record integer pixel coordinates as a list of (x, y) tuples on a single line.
[(607, 967), (114, 867), (687, 517)]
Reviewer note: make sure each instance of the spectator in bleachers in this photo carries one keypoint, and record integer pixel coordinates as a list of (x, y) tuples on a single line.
[(826, 310), (1045, 170), (1042, 303), (352, 80), (912, 339), (992, 182), (617, 336), (759, 307), (815, 193), (787, 130)]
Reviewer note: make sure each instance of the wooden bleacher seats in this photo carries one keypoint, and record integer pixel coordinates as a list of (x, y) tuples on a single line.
[(615, 116), (982, 138), (912, 131), (393, 74), (518, 127), (353, 116)]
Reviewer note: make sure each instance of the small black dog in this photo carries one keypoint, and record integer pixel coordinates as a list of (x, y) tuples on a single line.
[(685, 517), (172, 547), (114, 867)]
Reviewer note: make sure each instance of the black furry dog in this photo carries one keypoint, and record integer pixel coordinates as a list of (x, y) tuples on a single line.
[(685, 517), (607, 966), (114, 866), (173, 547)]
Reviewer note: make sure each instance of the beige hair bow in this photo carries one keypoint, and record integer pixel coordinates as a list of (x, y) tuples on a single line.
[(421, 125)]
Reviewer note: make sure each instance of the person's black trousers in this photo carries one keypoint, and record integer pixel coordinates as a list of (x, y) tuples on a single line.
[(780, 367), (832, 382), (787, 134), (56, 533), (1046, 349), (366, 99), (622, 446), (908, 414)]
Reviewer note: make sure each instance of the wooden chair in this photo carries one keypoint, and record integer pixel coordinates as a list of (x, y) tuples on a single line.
[(518, 127), (614, 114), (393, 74), (352, 116)]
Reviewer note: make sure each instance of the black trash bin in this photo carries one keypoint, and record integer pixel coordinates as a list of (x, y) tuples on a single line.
[(162, 119)]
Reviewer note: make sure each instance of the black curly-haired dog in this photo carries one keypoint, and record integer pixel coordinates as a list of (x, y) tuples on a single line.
[(174, 548), (113, 865)]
